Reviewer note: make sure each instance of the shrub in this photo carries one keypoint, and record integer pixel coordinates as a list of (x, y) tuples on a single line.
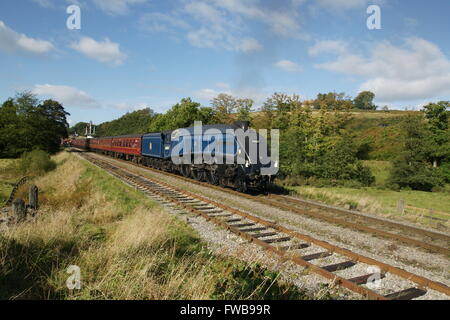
[(35, 163), (445, 171), (416, 176)]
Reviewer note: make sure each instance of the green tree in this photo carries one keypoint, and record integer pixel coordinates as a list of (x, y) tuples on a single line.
[(26, 124), (278, 108), (438, 123), (244, 107), (182, 115), (9, 128), (224, 105), (49, 125), (364, 101), (312, 142), (79, 128), (332, 101), (412, 168), (130, 123)]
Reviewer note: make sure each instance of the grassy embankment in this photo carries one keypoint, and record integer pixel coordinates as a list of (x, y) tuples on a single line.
[(127, 247), (378, 199)]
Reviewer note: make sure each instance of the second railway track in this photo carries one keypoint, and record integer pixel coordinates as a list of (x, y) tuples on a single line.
[(283, 242), (429, 240)]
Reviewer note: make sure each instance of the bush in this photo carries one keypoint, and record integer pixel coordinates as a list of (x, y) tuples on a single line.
[(35, 163), (445, 171), (416, 176)]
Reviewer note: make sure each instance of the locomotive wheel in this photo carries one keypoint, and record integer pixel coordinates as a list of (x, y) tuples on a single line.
[(198, 175), (212, 178), (241, 185), (186, 170)]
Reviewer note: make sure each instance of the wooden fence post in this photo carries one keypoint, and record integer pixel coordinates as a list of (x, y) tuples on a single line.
[(19, 210), (401, 207), (33, 197)]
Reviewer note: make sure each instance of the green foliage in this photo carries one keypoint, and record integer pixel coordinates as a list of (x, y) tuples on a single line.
[(244, 108), (413, 169), (314, 144), (364, 101), (35, 163), (227, 109), (131, 123), (437, 115), (224, 105), (27, 124), (379, 137), (332, 101), (439, 133), (79, 128), (416, 176), (181, 115), (277, 110)]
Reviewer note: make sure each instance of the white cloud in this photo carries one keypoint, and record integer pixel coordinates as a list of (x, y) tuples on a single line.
[(56, 3), (207, 94), (116, 7), (103, 51), (160, 22), (44, 3), (218, 36), (124, 106), (203, 11), (68, 96), (333, 46), (417, 70), (11, 41), (223, 85), (225, 23), (288, 66), (249, 44), (284, 23), (344, 4)]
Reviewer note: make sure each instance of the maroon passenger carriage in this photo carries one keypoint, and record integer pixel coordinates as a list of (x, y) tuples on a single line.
[(122, 147)]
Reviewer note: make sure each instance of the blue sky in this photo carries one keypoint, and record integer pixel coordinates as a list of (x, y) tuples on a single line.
[(130, 54)]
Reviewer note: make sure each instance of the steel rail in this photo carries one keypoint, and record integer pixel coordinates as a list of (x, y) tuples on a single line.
[(333, 220), (296, 259), (348, 213), (421, 281)]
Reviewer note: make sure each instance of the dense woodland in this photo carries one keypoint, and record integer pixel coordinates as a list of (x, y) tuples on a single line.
[(322, 141), (27, 123)]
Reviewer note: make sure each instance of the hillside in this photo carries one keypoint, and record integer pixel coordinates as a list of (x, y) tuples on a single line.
[(133, 122), (382, 130)]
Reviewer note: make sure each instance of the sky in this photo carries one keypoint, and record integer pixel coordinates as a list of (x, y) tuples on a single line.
[(132, 54)]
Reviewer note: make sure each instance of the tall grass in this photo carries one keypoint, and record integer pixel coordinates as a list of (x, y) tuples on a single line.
[(126, 246), (33, 163)]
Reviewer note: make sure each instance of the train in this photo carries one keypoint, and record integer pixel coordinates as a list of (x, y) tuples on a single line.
[(231, 163)]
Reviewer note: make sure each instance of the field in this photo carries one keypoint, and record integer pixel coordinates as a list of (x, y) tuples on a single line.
[(126, 246)]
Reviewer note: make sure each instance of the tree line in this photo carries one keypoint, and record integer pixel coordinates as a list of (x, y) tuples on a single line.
[(27, 124), (424, 161), (316, 144)]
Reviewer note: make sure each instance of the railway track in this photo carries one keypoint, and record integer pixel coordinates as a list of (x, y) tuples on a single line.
[(413, 236), (280, 241)]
